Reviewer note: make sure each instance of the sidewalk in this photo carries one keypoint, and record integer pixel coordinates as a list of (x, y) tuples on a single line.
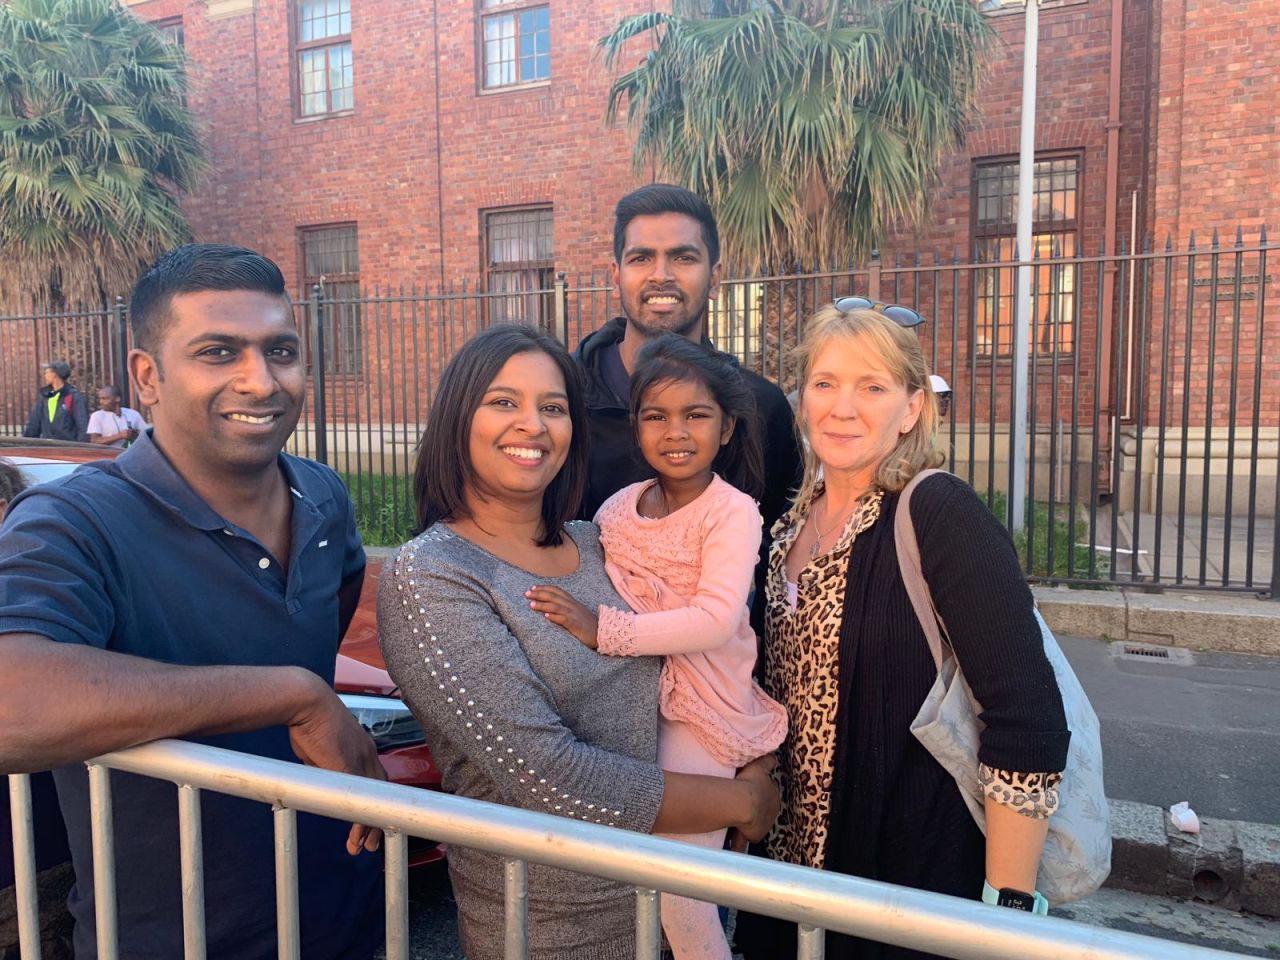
[(1230, 558), (1198, 727)]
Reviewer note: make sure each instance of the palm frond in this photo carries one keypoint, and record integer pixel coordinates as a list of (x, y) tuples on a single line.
[(96, 147), (809, 125)]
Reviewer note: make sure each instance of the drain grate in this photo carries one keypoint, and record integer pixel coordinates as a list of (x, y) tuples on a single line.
[(1147, 652), (1159, 653)]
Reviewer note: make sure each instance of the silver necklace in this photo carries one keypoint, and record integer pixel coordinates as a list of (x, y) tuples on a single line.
[(819, 533)]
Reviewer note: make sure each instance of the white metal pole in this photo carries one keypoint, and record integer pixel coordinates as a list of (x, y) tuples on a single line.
[(1022, 318)]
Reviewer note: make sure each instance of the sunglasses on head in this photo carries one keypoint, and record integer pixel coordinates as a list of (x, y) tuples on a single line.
[(903, 316)]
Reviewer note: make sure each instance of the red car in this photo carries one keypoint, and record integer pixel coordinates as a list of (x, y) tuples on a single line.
[(360, 676)]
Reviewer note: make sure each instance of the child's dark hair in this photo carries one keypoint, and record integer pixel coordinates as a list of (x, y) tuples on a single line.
[(672, 358), (12, 482)]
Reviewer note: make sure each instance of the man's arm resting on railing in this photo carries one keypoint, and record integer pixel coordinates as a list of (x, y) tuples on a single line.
[(64, 702)]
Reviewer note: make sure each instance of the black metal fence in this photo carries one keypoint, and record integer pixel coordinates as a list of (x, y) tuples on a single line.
[(1153, 390)]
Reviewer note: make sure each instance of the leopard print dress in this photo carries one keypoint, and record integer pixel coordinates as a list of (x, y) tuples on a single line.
[(802, 673)]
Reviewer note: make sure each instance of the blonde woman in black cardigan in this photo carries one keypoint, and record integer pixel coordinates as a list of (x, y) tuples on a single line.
[(845, 653)]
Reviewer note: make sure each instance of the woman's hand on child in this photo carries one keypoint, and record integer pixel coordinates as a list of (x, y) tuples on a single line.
[(562, 610)]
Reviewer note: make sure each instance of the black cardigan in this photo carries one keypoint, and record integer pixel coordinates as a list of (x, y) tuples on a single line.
[(896, 815)]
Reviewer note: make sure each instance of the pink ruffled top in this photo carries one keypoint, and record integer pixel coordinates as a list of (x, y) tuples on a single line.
[(687, 577)]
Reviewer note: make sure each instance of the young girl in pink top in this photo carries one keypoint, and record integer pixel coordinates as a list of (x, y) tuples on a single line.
[(681, 550)]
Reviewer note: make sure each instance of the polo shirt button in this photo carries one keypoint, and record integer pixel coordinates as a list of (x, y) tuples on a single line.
[(264, 563)]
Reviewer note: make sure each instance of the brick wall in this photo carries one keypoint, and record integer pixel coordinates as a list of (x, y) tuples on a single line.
[(425, 152), (422, 152)]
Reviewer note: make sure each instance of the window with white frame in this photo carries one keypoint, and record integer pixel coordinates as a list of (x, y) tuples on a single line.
[(325, 77), (1055, 235), (515, 43)]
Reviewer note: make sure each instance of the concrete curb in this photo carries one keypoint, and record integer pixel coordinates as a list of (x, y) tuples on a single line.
[(1227, 624), (1231, 863)]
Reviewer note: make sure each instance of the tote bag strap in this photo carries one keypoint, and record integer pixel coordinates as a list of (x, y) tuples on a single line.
[(908, 547)]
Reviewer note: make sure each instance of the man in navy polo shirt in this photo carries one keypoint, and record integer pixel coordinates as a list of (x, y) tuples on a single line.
[(198, 586)]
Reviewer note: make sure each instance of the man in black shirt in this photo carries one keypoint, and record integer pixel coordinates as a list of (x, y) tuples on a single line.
[(666, 266), (61, 412)]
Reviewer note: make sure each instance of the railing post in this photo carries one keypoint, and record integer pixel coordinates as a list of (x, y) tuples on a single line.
[(102, 830), (516, 909), (122, 341), (191, 853), (873, 276), (648, 924), (288, 935), (562, 309), (396, 845), (24, 866), (319, 427), (812, 943)]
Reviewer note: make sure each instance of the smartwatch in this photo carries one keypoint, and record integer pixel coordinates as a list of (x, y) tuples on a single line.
[(1015, 899)]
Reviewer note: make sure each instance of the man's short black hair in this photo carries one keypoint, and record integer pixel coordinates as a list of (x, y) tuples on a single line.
[(112, 389), (658, 198), (61, 369), (191, 269)]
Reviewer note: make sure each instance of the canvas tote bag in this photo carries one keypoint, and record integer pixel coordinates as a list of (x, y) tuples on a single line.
[(1077, 853)]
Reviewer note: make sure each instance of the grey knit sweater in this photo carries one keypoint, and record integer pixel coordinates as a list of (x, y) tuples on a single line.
[(517, 711)]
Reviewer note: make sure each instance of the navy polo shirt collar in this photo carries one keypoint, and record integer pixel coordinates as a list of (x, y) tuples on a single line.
[(147, 468)]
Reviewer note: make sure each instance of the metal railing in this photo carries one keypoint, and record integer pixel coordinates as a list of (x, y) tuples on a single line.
[(1154, 418), (815, 900)]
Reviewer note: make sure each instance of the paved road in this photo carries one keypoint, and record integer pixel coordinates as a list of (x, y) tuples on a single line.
[(1207, 731)]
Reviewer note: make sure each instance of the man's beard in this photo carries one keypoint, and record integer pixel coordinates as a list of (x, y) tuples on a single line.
[(691, 325)]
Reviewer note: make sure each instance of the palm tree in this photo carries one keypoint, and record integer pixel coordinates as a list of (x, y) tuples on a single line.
[(811, 126), (96, 147)]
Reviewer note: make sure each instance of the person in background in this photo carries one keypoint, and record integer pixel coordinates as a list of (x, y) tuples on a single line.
[(846, 655), (941, 390), (113, 425), (61, 412)]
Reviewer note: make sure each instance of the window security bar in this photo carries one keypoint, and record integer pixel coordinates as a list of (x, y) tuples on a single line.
[(816, 901)]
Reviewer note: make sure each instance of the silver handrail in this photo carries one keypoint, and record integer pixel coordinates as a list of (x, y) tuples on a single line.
[(815, 900)]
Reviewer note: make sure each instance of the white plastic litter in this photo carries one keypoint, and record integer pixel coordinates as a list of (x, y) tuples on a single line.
[(1184, 818)]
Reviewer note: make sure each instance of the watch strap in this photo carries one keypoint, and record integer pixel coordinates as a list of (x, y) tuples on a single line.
[(992, 896)]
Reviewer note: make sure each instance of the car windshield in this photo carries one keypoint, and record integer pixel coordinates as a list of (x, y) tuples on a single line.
[(38, 471)]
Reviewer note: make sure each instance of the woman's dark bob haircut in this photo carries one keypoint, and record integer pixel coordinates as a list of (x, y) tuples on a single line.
[(672, 358), (444, 472)]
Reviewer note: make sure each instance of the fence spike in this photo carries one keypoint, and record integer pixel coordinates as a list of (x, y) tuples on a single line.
[(1191, 244), (1239, 235), (1147, 242), (1168, 241), (1214, 244), (1122, 248), (1262, 234)]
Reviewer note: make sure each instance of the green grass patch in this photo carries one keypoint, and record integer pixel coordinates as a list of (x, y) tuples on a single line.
[(384, 507), (1069, 557)]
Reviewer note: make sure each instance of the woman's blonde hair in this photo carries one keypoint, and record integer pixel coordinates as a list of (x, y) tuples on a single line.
[(899, 350)]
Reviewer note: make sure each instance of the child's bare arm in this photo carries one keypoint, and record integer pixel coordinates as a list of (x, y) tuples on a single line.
[(561, 609)]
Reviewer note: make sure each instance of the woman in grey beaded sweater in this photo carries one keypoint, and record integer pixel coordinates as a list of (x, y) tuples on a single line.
[(515, 709)]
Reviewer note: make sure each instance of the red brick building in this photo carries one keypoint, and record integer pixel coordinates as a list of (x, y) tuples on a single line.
[(380, 143)]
